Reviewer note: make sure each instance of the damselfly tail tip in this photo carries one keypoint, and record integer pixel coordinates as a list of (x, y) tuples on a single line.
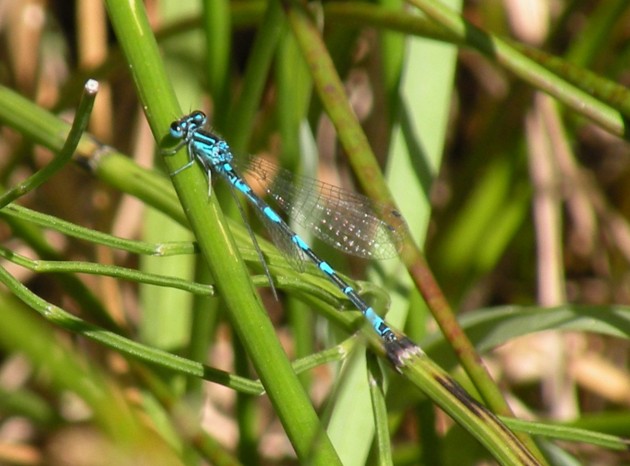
[(400, 351)]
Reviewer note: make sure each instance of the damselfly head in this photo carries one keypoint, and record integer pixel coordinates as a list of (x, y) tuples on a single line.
[(185, 126)]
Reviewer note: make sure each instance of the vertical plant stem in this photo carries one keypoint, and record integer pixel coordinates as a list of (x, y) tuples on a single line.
[(363, 161), (258, 65), (242, 303)]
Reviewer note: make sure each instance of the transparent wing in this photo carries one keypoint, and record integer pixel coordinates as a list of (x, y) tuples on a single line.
[(261, 257), (348, 221), (291, 252)]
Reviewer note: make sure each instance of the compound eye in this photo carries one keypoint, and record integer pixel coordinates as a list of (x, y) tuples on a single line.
[(176, 130), (199, 117)]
